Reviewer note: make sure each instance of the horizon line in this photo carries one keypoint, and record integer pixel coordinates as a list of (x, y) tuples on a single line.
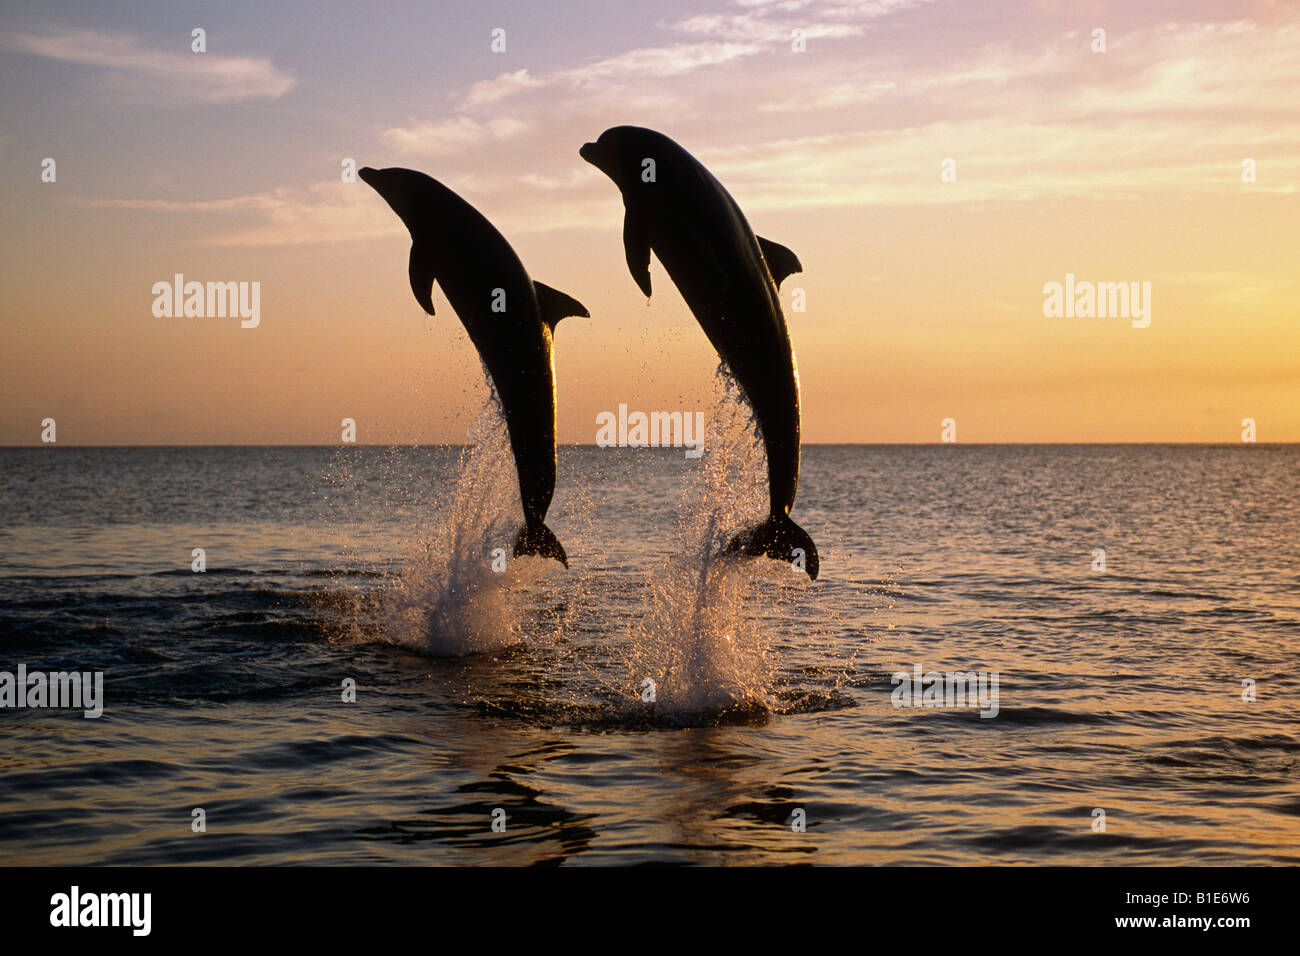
[(832, 444)]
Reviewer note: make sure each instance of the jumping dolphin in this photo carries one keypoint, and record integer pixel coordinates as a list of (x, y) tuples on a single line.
[(729, 278), (509, 318)]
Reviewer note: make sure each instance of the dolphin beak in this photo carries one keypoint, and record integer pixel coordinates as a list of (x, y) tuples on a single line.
[(588, 152), (368, 175)]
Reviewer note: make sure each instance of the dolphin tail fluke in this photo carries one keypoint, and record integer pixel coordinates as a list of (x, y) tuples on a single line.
[(780, 538), (537, 539)]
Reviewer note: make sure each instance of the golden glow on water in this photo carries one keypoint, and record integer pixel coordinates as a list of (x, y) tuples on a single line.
[(1119, 690)]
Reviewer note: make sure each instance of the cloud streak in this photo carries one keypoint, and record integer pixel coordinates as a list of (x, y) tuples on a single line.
[(321, 212), (160, 75), (715, 39), (454, 135), (1042, 120)]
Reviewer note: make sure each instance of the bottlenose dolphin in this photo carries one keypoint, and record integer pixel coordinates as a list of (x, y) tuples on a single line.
[(509, 318), (729, 278)]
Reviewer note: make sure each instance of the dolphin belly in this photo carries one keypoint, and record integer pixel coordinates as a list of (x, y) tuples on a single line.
[(759, 355), (517, 351)]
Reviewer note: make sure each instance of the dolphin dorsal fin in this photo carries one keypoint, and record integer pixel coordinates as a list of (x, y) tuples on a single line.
[(781, 262), (555, 305)]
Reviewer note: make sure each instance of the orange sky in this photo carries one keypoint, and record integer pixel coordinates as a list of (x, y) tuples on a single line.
[(924, 297)]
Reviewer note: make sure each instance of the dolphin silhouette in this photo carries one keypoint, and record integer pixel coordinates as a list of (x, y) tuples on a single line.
[(729, 278), (510, 319)]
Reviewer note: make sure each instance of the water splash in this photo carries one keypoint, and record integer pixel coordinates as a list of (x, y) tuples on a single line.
[(452, 597), (699, 641)]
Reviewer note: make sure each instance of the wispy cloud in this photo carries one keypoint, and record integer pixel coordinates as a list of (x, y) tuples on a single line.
[(340, 212), (1027, 121), (507, 84), (707, 40), (671, 60), (454, 135), (1053, 119), (160, 75), (321, 212), (727, 37)]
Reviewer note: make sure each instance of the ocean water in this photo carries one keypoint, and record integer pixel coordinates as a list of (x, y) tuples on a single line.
[(524, 691)]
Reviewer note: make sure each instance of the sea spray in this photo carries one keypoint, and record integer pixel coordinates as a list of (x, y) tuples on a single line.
[(460, 590), (700, 642)]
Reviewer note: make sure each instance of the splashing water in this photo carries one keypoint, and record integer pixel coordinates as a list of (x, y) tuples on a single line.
[(705, 653), (703, 634), (461, 593)]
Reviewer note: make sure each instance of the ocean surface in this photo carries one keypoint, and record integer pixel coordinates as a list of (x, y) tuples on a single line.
[(523, 692)]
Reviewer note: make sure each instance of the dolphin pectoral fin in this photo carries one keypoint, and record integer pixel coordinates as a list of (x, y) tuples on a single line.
[(421, 271), (636, 246), (537, 539), (780, 538), (781, 262), (555, 305)]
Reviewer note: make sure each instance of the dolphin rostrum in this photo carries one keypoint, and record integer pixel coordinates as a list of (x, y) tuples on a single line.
[(509, 318), (729, 278)]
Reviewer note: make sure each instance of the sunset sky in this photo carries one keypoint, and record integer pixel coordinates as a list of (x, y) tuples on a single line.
[(924, 298)]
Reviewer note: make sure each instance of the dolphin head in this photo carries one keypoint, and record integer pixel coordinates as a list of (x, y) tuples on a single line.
[(411, 194), (591, 153), (620, 151)]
